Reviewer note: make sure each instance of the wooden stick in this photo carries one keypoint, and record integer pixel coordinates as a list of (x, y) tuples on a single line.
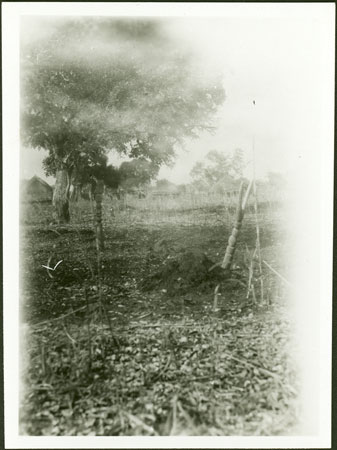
[(245, 200), (163, 370), (276, 273), (71, 339), (99, 227), (48, 264), (218, 264), (250, 277), (258, 244), (144, 315), (216, 294), (248, 364), (137, 421), (174, 416), (58, 318), (186, 416)]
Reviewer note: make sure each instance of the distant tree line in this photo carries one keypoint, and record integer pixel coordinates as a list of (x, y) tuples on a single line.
[(219, 172)]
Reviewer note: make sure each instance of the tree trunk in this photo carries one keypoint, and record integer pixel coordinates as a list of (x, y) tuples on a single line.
[(75, 193), (61, 196)]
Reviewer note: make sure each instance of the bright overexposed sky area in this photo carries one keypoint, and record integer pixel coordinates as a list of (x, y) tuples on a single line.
[(276, 62)]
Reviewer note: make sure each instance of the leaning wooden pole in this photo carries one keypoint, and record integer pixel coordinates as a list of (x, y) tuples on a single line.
[(240, 210)]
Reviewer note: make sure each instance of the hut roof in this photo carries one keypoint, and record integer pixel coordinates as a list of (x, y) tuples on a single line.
[(36, 189), (38, 180)]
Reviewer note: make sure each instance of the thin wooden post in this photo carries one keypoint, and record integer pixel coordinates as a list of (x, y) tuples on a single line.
[(99, 188), (258, 244)]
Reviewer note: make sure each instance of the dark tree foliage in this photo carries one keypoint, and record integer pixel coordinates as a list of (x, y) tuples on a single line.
[(165, 185), (137, 173), (111, 177), (101, 170)]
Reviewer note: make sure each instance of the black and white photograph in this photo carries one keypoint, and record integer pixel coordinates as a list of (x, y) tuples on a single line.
[(168, 200)]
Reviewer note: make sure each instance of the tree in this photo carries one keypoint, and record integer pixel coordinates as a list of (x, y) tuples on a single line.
[(137, 173), (237, 163), (85, 175), (218, 172), (165, 185), (276, 180), (101, 84), (111, 177)]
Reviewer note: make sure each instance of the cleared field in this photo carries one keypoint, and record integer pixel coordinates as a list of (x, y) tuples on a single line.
[(138, 344)]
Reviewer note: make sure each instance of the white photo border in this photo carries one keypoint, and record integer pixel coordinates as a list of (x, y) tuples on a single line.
[(11, 145)]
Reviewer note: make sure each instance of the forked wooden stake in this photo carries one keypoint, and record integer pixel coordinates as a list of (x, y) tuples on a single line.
[(240, 210)]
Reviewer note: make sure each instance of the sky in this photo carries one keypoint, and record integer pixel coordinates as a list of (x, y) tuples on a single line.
[(275, 62)]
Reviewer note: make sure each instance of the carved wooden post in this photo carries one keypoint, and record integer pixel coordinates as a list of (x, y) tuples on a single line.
[(99, 188), (240, 211)]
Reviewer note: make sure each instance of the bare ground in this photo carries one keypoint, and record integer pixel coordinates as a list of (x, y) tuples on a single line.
[(141, 347)]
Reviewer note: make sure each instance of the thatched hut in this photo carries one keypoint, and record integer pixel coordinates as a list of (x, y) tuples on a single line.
[(36, 190)]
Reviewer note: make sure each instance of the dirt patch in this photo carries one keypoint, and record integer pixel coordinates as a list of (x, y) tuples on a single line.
[(184, 272)]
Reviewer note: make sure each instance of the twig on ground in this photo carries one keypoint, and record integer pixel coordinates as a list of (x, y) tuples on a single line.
[(218, 264), (158, 325), (58, 318), (139, 422), (42, 387), (186, 416), (54, 231), (144, 315), (71, 339), (49, 274), (255, 366), (163, 370), (237, 281), (174, 416)]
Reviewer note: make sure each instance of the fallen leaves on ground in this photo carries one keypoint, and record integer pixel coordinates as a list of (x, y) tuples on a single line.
[(231, 380), (177, 366)]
